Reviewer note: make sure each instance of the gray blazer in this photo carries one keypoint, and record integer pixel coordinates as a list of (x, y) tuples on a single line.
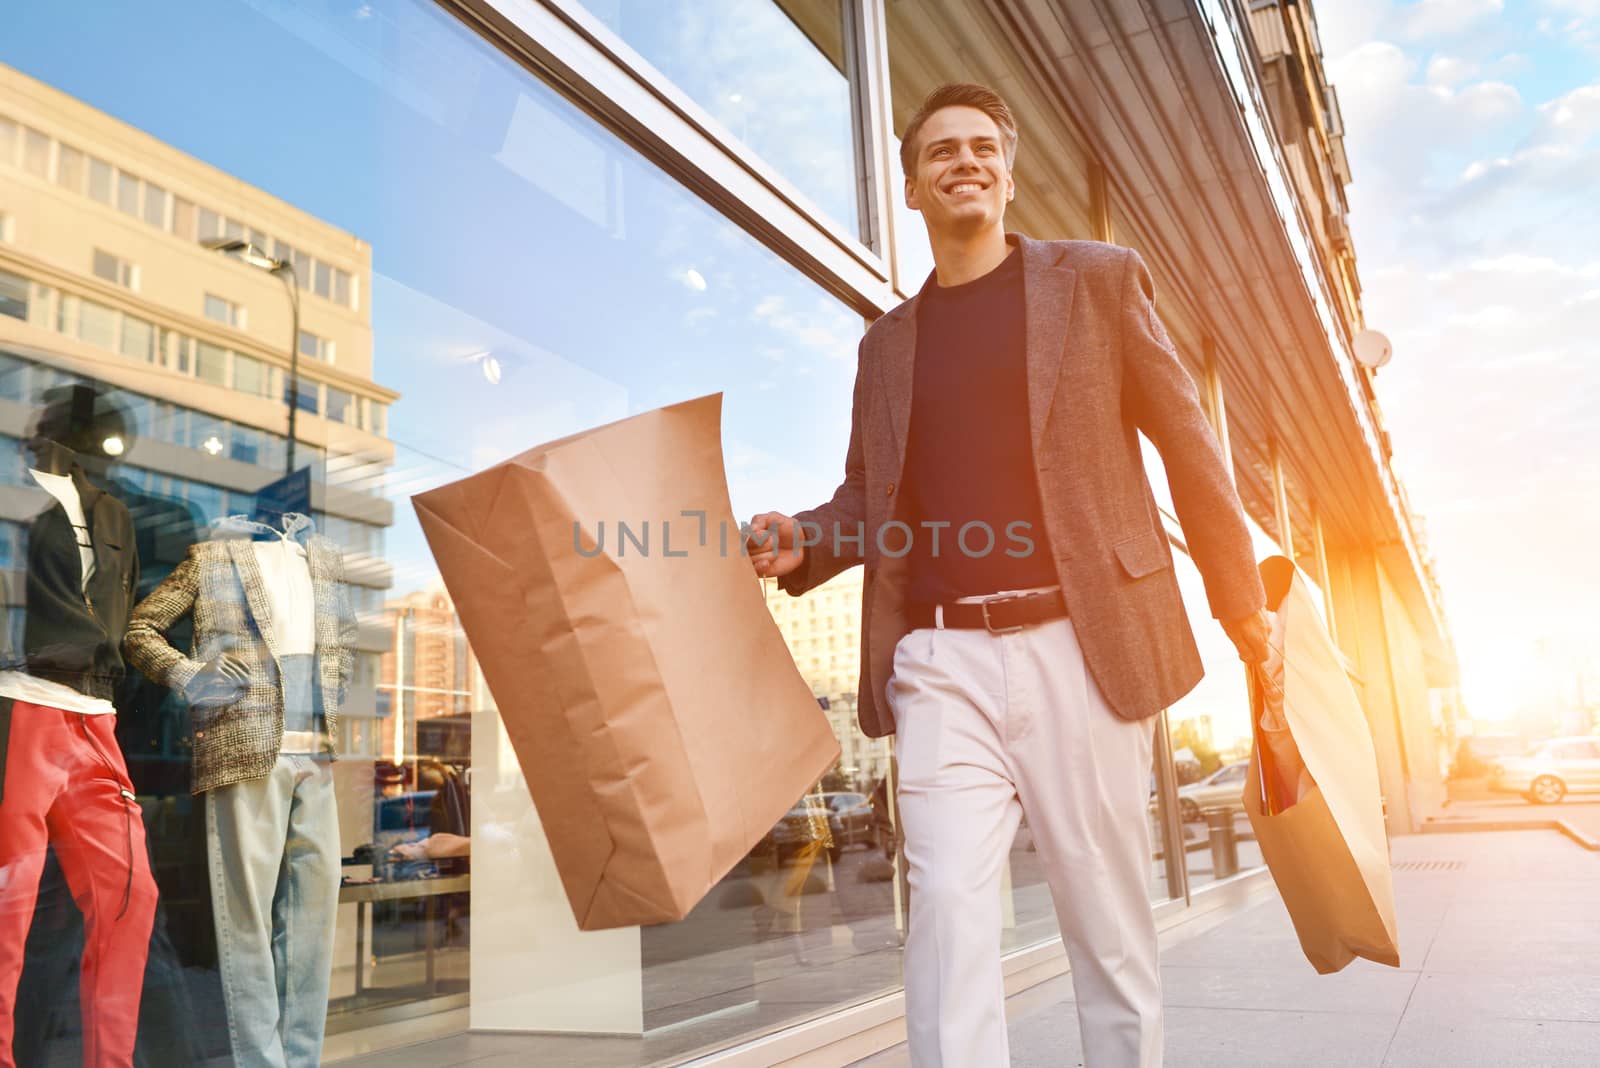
[(220, 583), (1100, 369)]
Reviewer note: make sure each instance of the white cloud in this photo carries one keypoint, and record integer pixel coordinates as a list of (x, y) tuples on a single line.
[(1441, 18), (1572, 7), (1447, 72), (1571, 119)]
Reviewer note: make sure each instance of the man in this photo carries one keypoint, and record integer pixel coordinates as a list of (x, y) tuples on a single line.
[(1021, 618)]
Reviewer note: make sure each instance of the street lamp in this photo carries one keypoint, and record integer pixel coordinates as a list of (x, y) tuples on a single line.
[(255, 257)]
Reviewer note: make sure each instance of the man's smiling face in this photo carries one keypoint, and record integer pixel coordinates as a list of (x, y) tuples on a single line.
[(962, 183)]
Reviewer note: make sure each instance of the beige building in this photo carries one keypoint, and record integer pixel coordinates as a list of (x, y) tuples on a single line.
[(103, 276), (823, 632), (428, 671)]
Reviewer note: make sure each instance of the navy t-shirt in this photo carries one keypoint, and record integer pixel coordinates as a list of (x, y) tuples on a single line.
[(969, 456)]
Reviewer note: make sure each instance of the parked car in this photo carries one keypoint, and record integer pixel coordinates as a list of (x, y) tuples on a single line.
[(807, 821), (1550, 771), (1476, 753), (1223, 788), (850, 819)]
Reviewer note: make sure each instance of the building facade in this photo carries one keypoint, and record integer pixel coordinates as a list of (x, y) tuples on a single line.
[(510, 221)]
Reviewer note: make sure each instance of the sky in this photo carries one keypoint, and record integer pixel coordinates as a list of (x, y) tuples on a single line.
[(1473, 129)]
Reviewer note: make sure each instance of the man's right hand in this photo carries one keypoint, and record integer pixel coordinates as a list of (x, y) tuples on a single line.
[(774, 545)]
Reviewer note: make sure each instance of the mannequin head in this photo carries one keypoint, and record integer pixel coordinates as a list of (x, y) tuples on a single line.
[(78, 423)]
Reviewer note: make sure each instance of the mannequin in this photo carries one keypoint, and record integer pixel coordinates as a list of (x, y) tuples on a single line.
[(265, 677), (63, 781)]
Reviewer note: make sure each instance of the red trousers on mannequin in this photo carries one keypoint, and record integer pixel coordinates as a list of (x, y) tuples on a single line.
[(66, 785)]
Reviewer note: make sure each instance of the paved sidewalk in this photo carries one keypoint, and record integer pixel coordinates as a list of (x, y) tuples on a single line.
[(1500, 966)]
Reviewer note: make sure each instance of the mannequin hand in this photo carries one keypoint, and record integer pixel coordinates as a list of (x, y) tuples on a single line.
[(221, 681)]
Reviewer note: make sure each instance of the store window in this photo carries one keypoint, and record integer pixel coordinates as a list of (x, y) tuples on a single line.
[(601, 287), (771, 71), (1210, 734)]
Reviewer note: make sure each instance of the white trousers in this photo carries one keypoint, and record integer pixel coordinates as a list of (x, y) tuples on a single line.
[(989, 727)]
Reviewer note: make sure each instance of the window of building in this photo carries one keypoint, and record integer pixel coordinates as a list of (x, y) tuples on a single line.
[(100, 180), (232, 228), (155, 205), (772, 73), (250, 375), (127, 193), (211, 363), (313, 347), (340, 407), (183, 354), (244, 444), (210, 224), (8, 141), (115, 269), (183, 218), (35, 152), (222, 310), (474, 266), (6, 233), (69, 168), (13, 295), (138, 339), (97, 324), (305, 397)]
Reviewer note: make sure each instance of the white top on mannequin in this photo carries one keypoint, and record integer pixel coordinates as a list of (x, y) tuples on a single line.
[(20, 686), (61, 487), (287, 578)]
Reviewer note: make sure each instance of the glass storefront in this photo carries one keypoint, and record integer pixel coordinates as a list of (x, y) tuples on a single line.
[(375, 216)]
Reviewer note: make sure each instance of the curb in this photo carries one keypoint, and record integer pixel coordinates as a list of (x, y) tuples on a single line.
[(1437, 825)]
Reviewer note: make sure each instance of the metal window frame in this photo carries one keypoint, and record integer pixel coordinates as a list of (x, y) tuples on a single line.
[(573, 53)]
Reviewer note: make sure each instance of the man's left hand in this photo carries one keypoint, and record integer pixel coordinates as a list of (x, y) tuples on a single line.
[(1250, 637)]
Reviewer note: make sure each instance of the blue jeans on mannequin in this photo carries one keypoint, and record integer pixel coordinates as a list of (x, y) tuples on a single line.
[(274, 858)]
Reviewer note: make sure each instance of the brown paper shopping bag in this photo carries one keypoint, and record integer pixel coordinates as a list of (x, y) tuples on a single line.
[(1321, 827), (652, 703)]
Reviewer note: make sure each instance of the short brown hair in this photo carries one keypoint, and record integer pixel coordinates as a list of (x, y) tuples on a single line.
[(965, 95)]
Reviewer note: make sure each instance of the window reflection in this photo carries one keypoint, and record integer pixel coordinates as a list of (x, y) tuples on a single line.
[(563, 283), (771, 71), (1210, 733)]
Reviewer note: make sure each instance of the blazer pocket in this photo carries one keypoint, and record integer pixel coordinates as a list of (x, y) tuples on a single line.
[(1142, 555)]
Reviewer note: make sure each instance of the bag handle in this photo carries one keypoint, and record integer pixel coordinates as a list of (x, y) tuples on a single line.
[(1272, 801)]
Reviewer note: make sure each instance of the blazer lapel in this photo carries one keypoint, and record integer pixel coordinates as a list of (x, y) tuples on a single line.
[(898, 365), (255, 590), (1048, 285), (324, 595)]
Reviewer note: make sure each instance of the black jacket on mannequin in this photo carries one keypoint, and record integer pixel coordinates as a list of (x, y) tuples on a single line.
[(72, 634)]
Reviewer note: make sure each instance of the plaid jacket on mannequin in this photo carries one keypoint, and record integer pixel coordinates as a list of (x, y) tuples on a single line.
[(220, 583)]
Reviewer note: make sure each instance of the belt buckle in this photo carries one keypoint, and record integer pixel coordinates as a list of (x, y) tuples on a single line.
[(989, 625)]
